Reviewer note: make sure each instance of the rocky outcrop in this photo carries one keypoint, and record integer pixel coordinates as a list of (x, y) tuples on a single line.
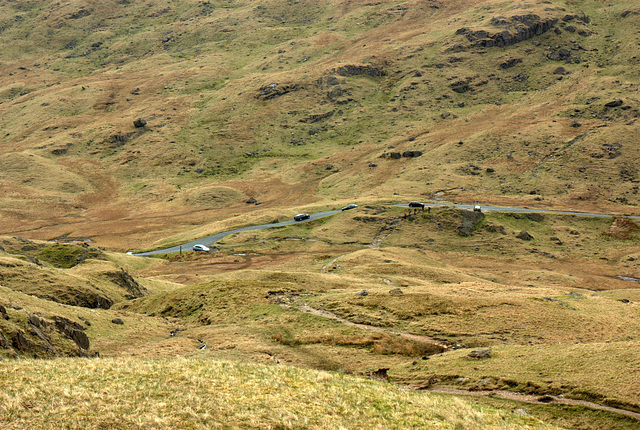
[(39, 337), (517, 28), (73, 331), (469, 221), (271, 91), (124, 280), (351, 70)]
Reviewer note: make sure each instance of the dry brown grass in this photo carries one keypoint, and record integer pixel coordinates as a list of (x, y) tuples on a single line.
[(200, 102), (200, 393)]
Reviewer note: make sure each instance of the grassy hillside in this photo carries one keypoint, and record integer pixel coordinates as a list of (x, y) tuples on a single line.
[(295, 103), (201, 393), (134, 125)]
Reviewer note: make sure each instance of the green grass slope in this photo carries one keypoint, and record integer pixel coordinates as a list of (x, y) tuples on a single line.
[(295, 103), (201, 393)]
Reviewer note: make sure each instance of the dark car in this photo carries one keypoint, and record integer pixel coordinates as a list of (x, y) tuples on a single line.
[(416, 205), (351, 206), (300, 217)]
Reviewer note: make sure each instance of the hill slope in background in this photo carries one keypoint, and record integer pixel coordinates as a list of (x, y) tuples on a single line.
[(294, 103)]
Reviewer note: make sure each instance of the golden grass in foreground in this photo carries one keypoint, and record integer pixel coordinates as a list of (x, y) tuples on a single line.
[(196, 393)]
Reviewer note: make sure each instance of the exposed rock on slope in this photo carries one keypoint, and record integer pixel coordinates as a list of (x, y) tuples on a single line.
[(515, 29), (40, 337)]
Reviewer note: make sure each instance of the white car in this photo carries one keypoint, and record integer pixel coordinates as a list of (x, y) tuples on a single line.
[(201, 248)]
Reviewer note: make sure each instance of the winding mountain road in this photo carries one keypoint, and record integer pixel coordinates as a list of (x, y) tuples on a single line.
[(210, 240)]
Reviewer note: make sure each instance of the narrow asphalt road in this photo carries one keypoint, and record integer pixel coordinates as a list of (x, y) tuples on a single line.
[(210, 240)]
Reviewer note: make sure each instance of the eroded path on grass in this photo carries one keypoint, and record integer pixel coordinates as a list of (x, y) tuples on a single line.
[(507, 395), (334, 317), (532, 399)]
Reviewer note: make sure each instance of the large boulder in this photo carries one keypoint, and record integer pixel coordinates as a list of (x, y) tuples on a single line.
[(523, 235), (469, 221)]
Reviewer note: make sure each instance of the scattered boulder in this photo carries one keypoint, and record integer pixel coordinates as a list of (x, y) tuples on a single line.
[(396, 292), (576, 124), (81, 13), (251, 201), (139, 123), (120, 139), (521, 412), (614, 103), (460, 86), (608, 150), (579, 17), (523, 235), (362, 293), (3, 313), (332, 81), (480, 353), (391, 155), (335, 93), (560, 71), (379, 374), (117, 321), (535, 217), (561, 54), (411, 154), (510, 63)]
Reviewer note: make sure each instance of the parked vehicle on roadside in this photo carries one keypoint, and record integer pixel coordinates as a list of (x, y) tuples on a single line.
[(351, 206), (201, 248), (301, 217), (477, 207), (416, 205)]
